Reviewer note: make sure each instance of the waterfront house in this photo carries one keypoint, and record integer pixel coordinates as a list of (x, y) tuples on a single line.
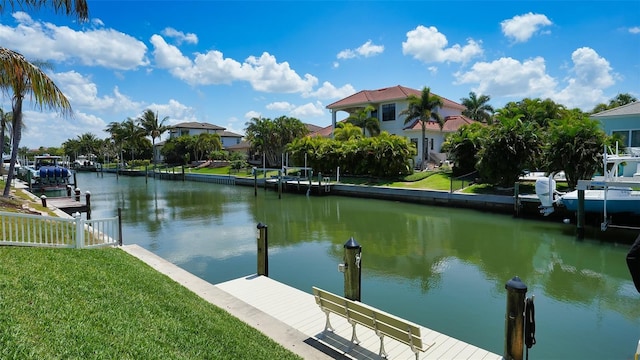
[(227, 138), (388, 103), (624, 121)]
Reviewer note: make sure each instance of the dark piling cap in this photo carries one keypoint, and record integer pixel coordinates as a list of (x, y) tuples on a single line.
[(516, 284), (262, 226), (351, 244)]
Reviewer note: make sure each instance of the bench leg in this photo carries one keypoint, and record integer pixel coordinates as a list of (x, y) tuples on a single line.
[(327, 325), (382, 352), (354, 337)]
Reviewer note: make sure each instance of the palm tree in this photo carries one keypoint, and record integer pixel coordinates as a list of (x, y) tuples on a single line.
[(117, 136), (154, 128), (19, 77), (346, 131), (5, 123), (363, 120), (477, 108), (423, 109)]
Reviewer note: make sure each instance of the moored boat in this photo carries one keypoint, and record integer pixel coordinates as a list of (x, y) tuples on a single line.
[(46, 173)]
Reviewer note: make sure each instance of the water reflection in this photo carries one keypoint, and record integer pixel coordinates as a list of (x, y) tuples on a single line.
[(451, 263)]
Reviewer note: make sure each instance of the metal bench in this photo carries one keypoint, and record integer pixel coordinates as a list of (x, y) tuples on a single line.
[(384, 324)]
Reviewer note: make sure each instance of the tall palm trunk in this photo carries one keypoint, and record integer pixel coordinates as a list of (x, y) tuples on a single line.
[(17, 136), (424, 150)]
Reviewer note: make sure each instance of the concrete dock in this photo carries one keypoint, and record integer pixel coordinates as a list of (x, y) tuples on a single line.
[(291, 317)]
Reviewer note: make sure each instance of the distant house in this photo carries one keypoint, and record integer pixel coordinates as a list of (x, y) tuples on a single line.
[(227, 138), (389, 103), (623, 121)]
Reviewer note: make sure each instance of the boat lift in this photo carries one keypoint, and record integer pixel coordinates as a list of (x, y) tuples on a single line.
[(611, 178)]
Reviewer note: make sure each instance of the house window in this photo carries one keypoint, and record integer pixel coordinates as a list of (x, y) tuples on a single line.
[(414, 142), (635, 138), (374, 114), (388, 112), (431, 144)]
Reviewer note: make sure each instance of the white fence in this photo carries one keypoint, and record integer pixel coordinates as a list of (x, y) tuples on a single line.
[(47, 231)]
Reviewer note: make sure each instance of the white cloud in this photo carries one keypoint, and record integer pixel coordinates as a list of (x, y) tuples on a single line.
[(635, 30), (590, 75), (280, 106), (179, 36), (509, 77), (429, 45), (328, 91), (521, 28), (584, 86), (168, 56), (308, 110), (252, 114), (83, 94), (264, 73), (96, 47), (367, 49)]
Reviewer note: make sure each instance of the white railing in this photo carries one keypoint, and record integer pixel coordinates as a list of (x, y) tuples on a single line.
[(47, 231)]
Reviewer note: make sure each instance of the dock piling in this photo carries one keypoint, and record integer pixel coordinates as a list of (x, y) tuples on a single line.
[(352, 269), (263, 250), (514, 319)]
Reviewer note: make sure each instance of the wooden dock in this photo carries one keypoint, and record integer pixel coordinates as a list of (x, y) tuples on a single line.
[(69, 205), (299, 310)]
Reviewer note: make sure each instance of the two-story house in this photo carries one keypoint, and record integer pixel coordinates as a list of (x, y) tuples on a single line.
[(389, 103), (624, 121), (227, 138)]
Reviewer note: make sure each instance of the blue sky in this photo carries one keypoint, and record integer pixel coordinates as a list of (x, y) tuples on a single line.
[(226, 62)]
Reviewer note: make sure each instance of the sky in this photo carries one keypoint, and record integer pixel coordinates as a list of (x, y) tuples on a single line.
[(226, 62)]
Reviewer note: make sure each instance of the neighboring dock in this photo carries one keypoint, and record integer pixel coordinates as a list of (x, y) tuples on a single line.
[(292, 318)]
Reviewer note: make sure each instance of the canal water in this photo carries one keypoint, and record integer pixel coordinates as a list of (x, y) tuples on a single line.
[(441, 267)]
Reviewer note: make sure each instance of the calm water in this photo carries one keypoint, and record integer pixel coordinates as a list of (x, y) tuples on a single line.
[(443, 268)]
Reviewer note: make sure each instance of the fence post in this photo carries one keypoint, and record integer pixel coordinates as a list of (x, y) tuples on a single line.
[(352, 269), (44, 200), (514, 319), (263, 250), (79, 230)]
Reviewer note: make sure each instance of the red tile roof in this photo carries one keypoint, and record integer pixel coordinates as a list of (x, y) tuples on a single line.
[(451, 124), (398, 92)]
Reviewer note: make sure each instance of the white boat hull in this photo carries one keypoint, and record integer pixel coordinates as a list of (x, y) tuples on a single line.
[(619, 200)]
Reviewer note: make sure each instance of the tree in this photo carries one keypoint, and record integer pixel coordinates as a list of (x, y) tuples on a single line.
[(6, 118), (574, 145), (117, 136), (362, 119), (511, 146), (347, 131), (423, 109), (477, 108), (463, 147), (153, 127), (270, 137), (205, 144), (133, 136), (536, 111), (18, 77), (619, 100)]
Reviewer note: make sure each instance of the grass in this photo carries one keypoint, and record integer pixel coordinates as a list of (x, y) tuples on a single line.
[(103, 303)]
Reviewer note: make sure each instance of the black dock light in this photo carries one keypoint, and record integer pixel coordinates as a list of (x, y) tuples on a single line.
[(352, 269)]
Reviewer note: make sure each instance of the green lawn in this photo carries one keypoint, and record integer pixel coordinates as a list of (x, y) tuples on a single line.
[(104, 303)]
